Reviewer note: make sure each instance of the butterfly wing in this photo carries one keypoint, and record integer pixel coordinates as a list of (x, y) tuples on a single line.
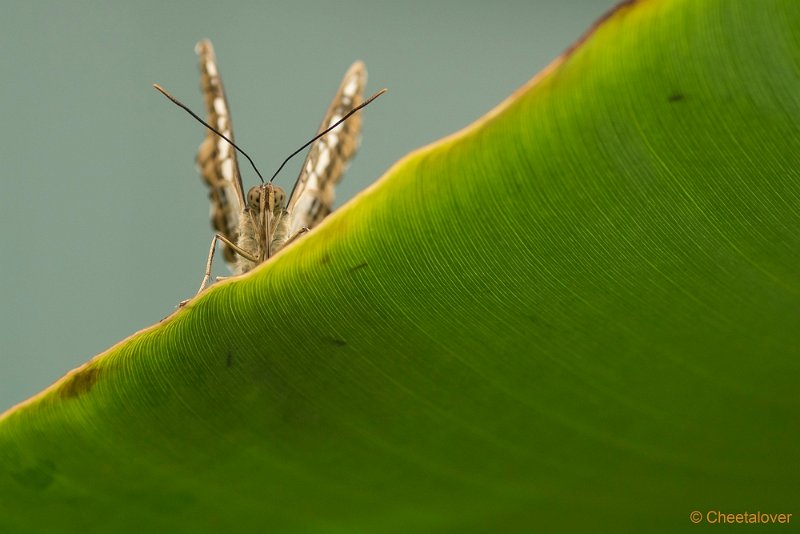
[(216, 158), (312, 197)]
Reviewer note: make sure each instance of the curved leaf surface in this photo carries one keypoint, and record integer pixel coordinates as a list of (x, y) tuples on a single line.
[(579, 312)]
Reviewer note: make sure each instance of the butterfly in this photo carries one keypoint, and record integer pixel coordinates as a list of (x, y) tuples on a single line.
[(255, 226)]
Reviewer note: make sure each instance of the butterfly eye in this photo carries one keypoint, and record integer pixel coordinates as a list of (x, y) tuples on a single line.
[(280, 197), (253, 196)]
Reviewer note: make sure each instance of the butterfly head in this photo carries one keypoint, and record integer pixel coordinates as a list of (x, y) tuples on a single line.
[(274, 198)]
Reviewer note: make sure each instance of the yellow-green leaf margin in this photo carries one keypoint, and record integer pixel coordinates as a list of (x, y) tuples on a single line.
[(580, 312)]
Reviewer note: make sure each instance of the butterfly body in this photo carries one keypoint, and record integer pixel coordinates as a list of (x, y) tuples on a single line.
[(262, 232)]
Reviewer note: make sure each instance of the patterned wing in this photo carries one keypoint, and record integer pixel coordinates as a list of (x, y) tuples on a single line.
[(312, 196), (216, 158)]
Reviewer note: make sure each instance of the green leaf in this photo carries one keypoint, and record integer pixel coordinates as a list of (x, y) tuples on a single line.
[(581, 311)]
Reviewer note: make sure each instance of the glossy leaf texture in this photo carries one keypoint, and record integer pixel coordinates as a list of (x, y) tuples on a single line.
[(580, 312)]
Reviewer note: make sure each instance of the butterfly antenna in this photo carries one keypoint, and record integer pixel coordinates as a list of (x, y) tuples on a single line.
[(204, 123), (337, 123)]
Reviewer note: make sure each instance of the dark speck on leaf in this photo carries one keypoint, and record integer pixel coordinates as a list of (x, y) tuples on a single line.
[(675, 97), (357, 267), (79, 383), (326, 259), (229, 360), (38, 477), (337, 341)]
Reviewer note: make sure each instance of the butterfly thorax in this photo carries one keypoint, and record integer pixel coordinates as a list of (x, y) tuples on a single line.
[(265, 221)]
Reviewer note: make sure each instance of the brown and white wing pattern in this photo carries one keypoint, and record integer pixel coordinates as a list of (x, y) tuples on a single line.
[(312, 196), (216, 158)]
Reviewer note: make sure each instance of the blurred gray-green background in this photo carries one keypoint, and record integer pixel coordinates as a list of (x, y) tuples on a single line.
[(105, 221)]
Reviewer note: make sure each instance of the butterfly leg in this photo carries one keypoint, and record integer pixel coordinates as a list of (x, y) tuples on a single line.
[(235, 248), (210, 261), (300, 232)]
